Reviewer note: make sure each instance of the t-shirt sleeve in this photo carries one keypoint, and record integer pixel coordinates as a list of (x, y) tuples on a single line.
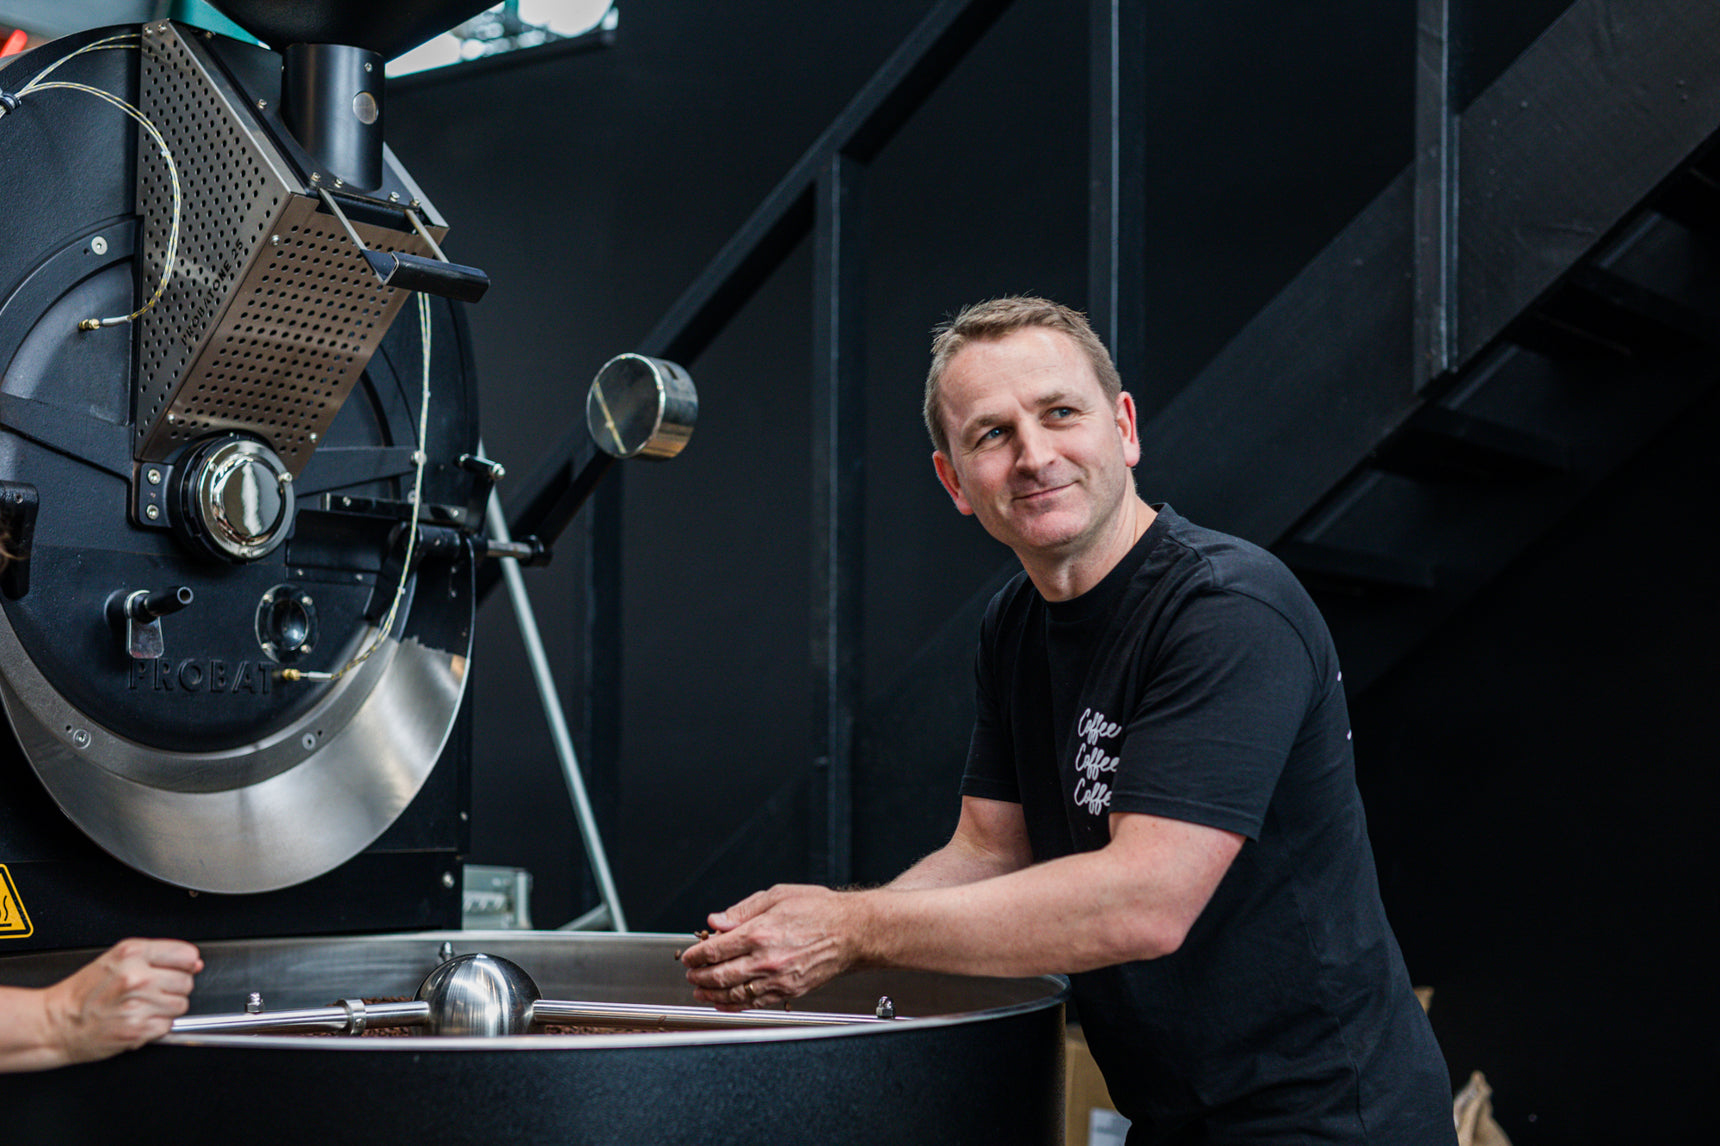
[(990, 773), (1223, 699)]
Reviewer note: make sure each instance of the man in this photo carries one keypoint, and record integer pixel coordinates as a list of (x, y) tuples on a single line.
[(1159, 800), (127, 996)]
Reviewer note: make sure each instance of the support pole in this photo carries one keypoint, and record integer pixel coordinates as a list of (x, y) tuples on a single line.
[(529, 634), (838, 437), (1117, 208), (1435, 257)]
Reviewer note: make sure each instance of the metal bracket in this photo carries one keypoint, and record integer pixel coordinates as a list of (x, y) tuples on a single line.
[(392, 509), (435, 276)]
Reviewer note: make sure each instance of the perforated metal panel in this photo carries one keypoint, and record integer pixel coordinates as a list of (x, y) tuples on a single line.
[(271, 312)]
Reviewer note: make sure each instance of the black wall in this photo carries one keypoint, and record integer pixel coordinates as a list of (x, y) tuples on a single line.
[(593, 187), (1534, 776)]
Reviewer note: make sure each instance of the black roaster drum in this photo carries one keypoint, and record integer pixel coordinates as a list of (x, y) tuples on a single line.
[(978, 1061)]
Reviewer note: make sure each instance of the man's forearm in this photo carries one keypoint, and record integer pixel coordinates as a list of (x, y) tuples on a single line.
[(990, 840), (1030, 922), (954, 863), (24, 1027), (1134, 900)]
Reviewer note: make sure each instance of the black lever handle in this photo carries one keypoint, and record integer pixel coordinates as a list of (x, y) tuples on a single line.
[(435, 276), (148, 606), (432, 276)]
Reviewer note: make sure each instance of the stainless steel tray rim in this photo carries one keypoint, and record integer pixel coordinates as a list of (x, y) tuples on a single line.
[(617, 1040), (1030, 993)]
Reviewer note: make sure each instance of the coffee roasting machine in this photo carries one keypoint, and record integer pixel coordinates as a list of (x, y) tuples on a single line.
[(245, 505)]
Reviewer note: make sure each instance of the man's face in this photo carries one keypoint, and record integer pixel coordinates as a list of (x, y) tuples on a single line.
[(1037, 452)]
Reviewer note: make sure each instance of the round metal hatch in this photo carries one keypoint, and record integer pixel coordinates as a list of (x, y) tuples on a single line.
[(641, 407), (236, 498)]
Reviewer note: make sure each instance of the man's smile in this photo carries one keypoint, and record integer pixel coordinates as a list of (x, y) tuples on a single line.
[(1034, 496)]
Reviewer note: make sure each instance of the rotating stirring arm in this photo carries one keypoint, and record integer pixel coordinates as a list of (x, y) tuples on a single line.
[(354, 1017)]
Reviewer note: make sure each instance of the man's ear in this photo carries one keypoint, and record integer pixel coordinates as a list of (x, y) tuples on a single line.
[(1128, 429), (952, 483)]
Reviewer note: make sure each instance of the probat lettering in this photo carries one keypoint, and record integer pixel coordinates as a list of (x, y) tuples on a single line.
[(191, 676)]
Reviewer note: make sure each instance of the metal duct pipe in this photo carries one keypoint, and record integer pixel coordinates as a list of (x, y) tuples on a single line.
[(332, 103)]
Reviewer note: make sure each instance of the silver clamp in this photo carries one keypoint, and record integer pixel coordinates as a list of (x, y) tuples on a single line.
[(355, 1015)]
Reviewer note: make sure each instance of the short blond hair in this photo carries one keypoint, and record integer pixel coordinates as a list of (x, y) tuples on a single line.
[(991, 320)]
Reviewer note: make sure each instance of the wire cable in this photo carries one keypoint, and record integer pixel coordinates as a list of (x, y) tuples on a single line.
[(124, 41), (418, 458)]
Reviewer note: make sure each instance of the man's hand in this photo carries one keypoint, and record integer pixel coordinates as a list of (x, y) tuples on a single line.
[(127, 996), (776, 945)]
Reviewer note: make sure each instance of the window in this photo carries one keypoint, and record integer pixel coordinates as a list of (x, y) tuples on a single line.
[(511, 26)]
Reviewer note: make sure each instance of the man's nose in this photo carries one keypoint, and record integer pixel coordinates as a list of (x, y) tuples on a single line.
[(1033, 448)]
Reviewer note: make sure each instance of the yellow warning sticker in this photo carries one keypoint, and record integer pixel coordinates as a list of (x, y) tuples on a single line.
[(14, 920)]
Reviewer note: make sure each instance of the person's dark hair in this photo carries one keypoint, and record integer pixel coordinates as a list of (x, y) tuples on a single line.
[(988, 321)]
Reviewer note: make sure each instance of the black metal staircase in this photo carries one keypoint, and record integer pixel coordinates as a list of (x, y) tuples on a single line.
[(1586, 309)]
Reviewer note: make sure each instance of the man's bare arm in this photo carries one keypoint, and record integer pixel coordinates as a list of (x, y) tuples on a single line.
[(1133, 899), (990, 840), (128, 995)]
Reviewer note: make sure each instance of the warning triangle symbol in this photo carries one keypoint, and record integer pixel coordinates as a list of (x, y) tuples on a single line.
[(14, 920)]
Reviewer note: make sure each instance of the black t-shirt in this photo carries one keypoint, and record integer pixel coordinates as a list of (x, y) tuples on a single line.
[(1198, 682)]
